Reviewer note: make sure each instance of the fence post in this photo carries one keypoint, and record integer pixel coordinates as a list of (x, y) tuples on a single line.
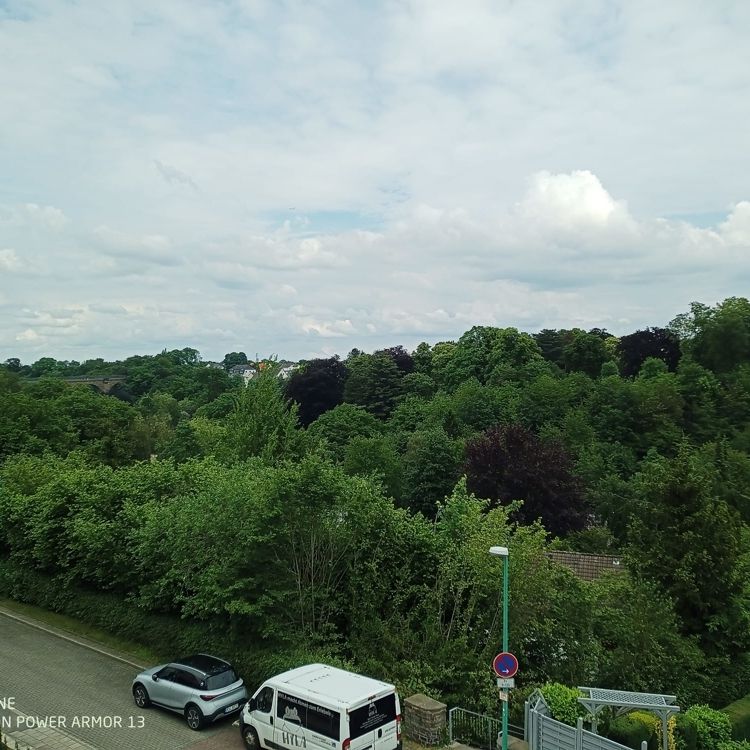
[(526, 721), (579, 733), (644, 745)]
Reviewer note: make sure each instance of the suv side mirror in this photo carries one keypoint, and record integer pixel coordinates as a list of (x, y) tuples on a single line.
[(252, 704), (155, 677)]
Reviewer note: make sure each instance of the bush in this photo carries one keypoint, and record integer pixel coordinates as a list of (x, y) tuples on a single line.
[(563, 702), (632, 730), (712, 727), (739, 716), (686, 736)]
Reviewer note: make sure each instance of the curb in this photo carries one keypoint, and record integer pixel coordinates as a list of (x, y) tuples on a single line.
[(71, 639)]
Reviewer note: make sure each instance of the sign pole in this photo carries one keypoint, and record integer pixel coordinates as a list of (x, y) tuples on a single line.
[(505, 647)]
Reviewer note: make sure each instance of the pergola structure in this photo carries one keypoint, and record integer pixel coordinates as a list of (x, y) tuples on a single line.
[(595, 699)]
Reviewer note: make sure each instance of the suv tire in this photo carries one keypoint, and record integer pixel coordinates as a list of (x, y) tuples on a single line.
[(140, 696), (194, 717)]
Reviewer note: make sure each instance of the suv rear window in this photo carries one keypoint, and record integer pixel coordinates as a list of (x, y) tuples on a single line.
[(221, 679), (372, 716)]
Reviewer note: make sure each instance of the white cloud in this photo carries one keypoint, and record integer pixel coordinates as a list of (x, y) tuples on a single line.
[(9, 260), (263, 175)]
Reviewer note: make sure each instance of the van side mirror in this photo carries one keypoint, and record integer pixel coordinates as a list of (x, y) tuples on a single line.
[(252, 704)]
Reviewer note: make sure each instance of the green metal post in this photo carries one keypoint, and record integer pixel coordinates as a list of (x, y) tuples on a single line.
[(505, 646)]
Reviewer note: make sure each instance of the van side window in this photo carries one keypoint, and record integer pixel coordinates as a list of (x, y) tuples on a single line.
[(291, 709), (323, 721), (264, 701)]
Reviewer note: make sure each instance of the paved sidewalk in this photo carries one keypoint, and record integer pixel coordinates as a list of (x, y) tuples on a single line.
[(48, 672)]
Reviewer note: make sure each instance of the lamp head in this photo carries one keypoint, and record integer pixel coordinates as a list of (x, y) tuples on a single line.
[(499, 551)]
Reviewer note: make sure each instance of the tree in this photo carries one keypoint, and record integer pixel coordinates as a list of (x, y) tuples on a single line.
[(13, 364), (374, 382), (509, 462), (339, 426), (635, 348), (263, 423), (375, 456), (551, 343), (430, 470), (317, 387), (585, 352), (717, 337), (684, 536), (641, 647), (234, 358), (401, 357)]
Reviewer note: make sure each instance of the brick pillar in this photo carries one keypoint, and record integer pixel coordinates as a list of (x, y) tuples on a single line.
[(425, 720)]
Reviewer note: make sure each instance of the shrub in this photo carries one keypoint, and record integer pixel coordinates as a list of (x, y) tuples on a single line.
[(739, 716), (712, 727), (686, 736), (563, 702), (630, 730)]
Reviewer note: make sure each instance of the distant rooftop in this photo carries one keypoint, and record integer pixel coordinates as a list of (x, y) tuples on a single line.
[(586, 566)]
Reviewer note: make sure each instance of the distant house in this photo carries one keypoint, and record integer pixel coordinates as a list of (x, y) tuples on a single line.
[(247, 372), (586, 566), (214, 365), (287, 371)]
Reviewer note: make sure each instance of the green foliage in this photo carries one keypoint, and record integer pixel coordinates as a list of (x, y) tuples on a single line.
[(685, 733), (374, 382), (430, 470), (712, 727), (200, 507), (563, 702), (263, 423), (739, 716), (339, 426), (631, 730)]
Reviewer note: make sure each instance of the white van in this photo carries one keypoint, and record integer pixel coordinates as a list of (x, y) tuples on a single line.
[(318, 707)]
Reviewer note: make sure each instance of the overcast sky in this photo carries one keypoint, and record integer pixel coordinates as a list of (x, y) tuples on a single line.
[(299, 178)]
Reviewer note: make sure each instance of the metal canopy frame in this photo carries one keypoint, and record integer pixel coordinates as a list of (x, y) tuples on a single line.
[(595, 699)]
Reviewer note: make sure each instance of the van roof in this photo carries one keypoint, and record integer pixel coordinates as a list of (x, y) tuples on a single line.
[(334, 684)]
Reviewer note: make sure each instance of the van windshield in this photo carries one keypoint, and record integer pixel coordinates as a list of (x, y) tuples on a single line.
[(372, 716)]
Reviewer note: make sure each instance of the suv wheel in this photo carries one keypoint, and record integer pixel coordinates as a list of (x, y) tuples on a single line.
[(250, 736), (193, 717), (140, 696)]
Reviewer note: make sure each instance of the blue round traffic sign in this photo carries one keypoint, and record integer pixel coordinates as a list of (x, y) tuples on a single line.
[(505, 664)]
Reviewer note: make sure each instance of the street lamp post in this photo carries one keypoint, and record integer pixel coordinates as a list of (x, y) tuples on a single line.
[(503, 552)]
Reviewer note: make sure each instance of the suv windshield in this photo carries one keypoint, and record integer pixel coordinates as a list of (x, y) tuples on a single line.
[(372, 716), (221, 680)]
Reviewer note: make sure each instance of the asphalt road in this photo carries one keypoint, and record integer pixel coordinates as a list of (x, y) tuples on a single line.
[(43, 675)]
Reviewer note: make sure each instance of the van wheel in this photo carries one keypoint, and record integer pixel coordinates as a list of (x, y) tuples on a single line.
[(193, 717), (251, 738), (140, 696)]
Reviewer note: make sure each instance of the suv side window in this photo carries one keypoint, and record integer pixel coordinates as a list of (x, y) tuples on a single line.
[(264, 701), (168, 673), (183, 677)]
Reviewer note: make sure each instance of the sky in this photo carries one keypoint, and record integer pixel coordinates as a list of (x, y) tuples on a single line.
[(298, 178)]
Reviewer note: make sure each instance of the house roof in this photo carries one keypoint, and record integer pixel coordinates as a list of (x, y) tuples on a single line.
[(586, 566)]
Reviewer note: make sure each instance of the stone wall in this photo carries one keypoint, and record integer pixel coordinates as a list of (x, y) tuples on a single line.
[(425, 720)]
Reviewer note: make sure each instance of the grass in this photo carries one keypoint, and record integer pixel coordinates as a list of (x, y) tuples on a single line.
[(127, 649)]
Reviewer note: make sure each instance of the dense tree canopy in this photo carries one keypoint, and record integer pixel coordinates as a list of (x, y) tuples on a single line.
[(346, 513)]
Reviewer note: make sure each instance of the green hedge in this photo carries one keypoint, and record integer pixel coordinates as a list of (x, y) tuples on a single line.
[(163, 634), (739, 715), (630, 730)]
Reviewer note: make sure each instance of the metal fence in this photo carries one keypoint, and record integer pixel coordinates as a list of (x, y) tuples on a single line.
[(542, 732), (477, 730)]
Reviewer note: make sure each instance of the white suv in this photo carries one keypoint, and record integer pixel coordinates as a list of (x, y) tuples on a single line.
[(201, 687)]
